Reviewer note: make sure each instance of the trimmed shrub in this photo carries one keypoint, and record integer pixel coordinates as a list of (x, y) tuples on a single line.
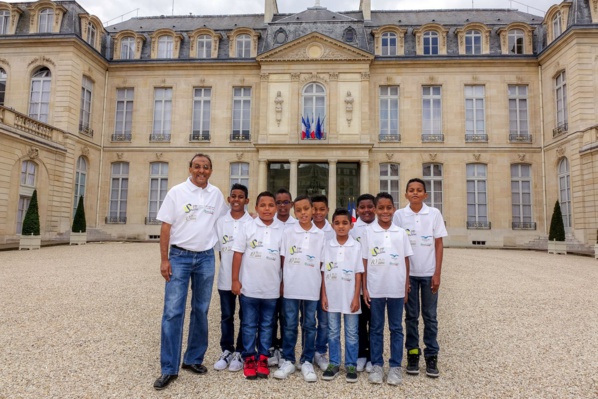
[(79, 224), (557, 228), (31, 221)]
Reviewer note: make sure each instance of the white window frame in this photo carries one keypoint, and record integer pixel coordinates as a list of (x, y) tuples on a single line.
[(521, 194), (239, 173), (389, 44), (431, 42), (86, 104), (519, 110), (477, 193), (127, 48), (473, 42), (45, 20), (204, 46), (560, 93), (27, 183), (475, 110), (390, 180), (166, 47), (556, 25), (119, 189), (162, 112), (565, 192), (39, 100), (389, 102), (432, 114), (158, 187), (243, 43), (314, 101), (241, 117), (91, 34), (4, 21), (3, 79), (80, 182), (123, 125), (433, 178), (202, 108), (516, 40)]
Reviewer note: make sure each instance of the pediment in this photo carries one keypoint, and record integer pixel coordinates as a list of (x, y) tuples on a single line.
[(313, 48)]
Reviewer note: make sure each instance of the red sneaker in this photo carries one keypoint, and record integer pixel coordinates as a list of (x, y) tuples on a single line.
[(250, 368), (262, 367)]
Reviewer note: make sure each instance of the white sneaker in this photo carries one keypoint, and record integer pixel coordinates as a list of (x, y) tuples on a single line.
[(236, 362), (368, 367), (321, 360), (361, 363), (222, 363), (309, 375), (394, 376), (377, 375), (285, 370), (274, 360)]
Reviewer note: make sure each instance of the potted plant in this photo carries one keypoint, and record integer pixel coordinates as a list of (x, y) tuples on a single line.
[(556, 235), (30, 235), (79, 229)]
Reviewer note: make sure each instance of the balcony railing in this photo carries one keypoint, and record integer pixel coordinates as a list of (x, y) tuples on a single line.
[(476, 138), (433, 138), (159, 137), (240, 136), (85, 129), (560, 129), (116, 219), (523, 225), (199, 136), (124, 137), (152, 220), (520, 138), (478, 225), (389, 137), (24, 123)]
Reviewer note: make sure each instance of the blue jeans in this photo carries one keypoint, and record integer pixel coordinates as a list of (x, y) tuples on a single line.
[(258, 317), (322, 332), (351, 338), (421, 287), (197, 267), (228, 302), (290, 308), (395, 315)]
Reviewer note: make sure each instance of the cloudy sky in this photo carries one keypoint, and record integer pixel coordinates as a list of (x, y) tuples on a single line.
[(111, 10)]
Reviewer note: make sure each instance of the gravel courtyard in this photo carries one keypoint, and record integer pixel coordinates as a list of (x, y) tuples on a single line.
[(84, 322)]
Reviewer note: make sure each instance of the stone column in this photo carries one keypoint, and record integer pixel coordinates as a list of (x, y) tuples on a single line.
[(332, 185), (364, 172), (262, 180), (293, 180)]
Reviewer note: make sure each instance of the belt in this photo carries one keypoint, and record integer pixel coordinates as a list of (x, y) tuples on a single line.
[(187, 250)]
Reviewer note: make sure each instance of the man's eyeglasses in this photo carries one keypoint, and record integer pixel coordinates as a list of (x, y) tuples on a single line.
[(286, 202)]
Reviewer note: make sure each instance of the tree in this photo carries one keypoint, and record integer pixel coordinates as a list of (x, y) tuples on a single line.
[(31, 221), (79, 224), (557, 228)]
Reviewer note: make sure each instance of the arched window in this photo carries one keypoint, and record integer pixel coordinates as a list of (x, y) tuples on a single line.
[(3, 77), (46, 20), (127, 48), (243, 46), (39, 101), (80, 182), (565, 192), (432, 173), (349, 35), (431, 43), (204, 46), (165, 46), (26, 188), (157, 189), (91, 34), (4, 21), (556, 25), (473, 42), (314, 109), (389, 43), (389, 181), (516, 38)]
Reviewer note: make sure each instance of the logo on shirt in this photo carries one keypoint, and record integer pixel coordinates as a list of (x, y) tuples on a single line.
[(190, 208), (330, 266), (410, 232), (255, 244), (209, 209), (358, 239), (226, 239), (272, 254), (347, 275), (294, 250), (377, 251)]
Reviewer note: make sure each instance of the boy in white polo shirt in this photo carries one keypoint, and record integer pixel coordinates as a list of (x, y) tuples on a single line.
[(342, 269), (228, 227), (385, 248), (425, 227), (301, 250), (256, 277)]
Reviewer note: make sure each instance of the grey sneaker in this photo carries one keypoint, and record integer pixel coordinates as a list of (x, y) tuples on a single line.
[(361, 364), (321, 360), (377, 375), (394, 376)]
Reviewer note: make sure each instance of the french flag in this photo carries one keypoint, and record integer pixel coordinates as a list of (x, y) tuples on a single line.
[(304, 128), (353, 216), (318, 132), (312, 134)]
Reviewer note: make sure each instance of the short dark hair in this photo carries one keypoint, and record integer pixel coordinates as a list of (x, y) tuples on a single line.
[(382, 195), (241, 187), (319, 198), (301, 198), (415, 180), (264, 194), (284, 191), (365, 197), (200, 155), (341, 212)]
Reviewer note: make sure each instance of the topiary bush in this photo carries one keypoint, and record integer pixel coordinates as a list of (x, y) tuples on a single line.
[(557, 228), (79, 224), (31, 221)]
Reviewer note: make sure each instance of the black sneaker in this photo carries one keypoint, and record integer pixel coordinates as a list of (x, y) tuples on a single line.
[(432, 366), (330, 373), (351, 374), (413, 361)]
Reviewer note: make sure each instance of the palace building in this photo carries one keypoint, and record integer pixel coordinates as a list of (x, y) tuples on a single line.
[(496, 109)]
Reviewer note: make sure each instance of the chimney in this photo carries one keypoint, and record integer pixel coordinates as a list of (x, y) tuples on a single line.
[(365, 6), (270, 9)]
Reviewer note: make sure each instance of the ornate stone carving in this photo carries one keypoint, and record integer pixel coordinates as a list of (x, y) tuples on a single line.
[(333, 75), (365, 76), (41, 60), (240, 155), (278, 107), (390, 156), (264, 76), (349, 107), (313, 76), (5, 62), (85, 151), (295, 76), (477, 156), (521, 157), (33, 152), (389, 79), (158, 155), (120, 155), (433, 157), (560, 151)]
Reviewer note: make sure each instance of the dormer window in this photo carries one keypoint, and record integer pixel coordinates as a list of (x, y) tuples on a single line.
[(243, 43), (516, 37), (127, 48), (349, 35), (556, 25), (91, 34), (430, 43), (280, 36), (389, 43), (473, 42), (4, 20), (431, 39), (204, 43), (243, 46), (46, 19), (165, 46), (204, 46)]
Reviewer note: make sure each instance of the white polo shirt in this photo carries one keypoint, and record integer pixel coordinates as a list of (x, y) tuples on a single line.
[(328, 230), (302, 251), (422, 228), (192, 211), (358, 229), (228, 229), (260, 268), (340, 265), (291, 221), (385, 251)]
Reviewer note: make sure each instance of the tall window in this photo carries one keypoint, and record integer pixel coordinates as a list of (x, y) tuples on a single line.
[(430, 43), (243, 46), (157, 189), (474, 112), (314, 108), (477, 201), (26, 188), (516, 37), (4, 21), (202, 104), (2, 85), (45, 21), (165, 46), (432, 110), (556, 25), (389, 113), (239, 173), (389, 43), (473, 42), (80, 182), (560, 89), (91, 34), (241, 113), (162, 114), (432, 173), (518, 117), (119, 187), (389, 180), (521, 196), (204, 46), (39, 102), (127, 48), (565, 192), (85, 114), (124, 114)]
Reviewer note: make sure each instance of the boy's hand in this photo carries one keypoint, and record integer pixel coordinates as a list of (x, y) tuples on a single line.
[(166, 269), (236, 287), (406, 299), (435, 283), (366, 297), (355, 304), (325, 303)]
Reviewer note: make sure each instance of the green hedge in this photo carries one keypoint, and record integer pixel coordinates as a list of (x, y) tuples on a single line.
[(79, 225), (31, 221), (557, 228)]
